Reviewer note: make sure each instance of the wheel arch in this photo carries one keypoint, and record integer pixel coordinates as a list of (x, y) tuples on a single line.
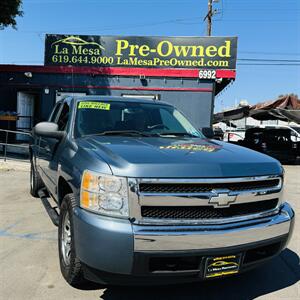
[(63, 189)]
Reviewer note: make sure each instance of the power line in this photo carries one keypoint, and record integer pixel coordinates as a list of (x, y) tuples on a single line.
[(270, 53), (289, 20), (268, 64), (255, 61), (123, 26), (271, 60), (38, 62)]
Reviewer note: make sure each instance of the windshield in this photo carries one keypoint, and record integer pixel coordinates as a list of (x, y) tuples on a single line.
[(297, 129), (114, 117)]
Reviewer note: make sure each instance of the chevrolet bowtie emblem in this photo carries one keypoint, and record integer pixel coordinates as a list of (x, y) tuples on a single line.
[(221, 199)]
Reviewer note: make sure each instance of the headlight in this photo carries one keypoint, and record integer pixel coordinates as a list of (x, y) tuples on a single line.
[(104, 194)]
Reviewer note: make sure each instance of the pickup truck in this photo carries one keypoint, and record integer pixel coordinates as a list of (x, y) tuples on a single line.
[(143, 197), (276, 142)]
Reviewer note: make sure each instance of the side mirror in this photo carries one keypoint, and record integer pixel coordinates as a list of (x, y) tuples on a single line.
[(48, 130), (208, 132)]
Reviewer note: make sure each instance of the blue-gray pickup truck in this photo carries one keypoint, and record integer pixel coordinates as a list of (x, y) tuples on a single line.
[(143, 197)]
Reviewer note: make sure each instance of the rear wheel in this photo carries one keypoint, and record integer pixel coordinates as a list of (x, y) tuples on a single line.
[(70, 265), (36, 182)]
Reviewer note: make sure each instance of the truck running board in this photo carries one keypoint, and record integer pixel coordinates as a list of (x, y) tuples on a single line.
[(50, 210)]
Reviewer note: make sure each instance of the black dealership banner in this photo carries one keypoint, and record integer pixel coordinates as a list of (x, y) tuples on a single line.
[(141, 52)]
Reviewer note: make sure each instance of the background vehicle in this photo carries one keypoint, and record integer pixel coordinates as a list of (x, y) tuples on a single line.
[(218, 133), (233, 136), (145, 198), (295, 130), (276, 142)]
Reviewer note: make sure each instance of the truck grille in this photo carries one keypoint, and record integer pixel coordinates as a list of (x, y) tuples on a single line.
[(203, 200), (207, 212), (190, 188)]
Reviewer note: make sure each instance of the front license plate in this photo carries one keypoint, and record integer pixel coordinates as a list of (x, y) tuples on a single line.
[(220, 266)]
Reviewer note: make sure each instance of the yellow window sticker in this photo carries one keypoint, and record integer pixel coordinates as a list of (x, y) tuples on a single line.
[(94, 105)]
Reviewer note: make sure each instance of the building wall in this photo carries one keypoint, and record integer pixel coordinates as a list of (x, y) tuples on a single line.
[(193, 97)]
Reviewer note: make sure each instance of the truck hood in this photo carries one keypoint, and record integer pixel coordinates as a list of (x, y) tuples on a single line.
[(177, 158)]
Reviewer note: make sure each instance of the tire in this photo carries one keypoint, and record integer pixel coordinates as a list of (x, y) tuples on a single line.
[(36, 182), (70, 265)]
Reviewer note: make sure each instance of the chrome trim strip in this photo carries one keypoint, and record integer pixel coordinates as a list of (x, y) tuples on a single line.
[(153, 221), (212, 181), (164, 238), (214, 192), (133, 199), (207, 180), (147, 200)]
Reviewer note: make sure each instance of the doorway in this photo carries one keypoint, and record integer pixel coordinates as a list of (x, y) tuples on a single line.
[(25, 111)]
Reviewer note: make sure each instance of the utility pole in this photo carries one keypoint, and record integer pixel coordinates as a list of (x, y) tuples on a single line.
[(209, 17)]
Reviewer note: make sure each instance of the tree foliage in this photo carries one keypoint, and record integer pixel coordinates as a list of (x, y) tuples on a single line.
[(9, 10)]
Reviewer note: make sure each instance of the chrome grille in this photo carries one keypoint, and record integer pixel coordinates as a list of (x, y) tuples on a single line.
[(207, 212), (203, 201), (170, 188)]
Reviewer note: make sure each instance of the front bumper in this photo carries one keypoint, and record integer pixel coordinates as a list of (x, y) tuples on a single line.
[(150, 238), (109, 246)]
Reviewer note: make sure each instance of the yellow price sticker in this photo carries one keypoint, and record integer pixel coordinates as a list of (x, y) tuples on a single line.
[(94, 105)]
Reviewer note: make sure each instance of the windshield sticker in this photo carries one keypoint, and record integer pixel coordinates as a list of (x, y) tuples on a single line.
[(192, 147), (94, 105)]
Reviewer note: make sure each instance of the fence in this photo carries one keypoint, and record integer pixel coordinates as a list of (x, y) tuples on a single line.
[(5, 144)]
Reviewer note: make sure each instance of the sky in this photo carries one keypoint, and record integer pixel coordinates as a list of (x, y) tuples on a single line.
[(266, 29)]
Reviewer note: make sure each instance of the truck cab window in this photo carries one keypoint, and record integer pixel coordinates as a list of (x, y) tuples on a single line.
[(54, 113), (64, 117)]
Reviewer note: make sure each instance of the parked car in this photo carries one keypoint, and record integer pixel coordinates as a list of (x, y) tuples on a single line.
[(233, 136), (218, 133), (145, 198), (276, 142), (295, 133)]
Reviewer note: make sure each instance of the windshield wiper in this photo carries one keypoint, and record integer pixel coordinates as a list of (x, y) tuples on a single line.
[(140, 133), (177, 134), (125, 132)]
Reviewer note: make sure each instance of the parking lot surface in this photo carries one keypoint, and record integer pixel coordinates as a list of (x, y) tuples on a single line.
[(30, 269)]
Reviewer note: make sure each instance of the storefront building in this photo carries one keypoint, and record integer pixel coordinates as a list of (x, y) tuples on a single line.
[(187, 72)]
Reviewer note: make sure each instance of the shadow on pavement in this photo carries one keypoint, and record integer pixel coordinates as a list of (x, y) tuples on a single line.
[(14, 157), (283, 271), (295, 163)]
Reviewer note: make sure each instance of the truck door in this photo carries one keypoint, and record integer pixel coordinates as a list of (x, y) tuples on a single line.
[(48, 148)]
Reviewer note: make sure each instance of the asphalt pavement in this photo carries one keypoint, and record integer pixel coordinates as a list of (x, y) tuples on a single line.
[(29, 267)]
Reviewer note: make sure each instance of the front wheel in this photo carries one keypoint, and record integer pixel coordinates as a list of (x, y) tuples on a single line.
[(70, 265)]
